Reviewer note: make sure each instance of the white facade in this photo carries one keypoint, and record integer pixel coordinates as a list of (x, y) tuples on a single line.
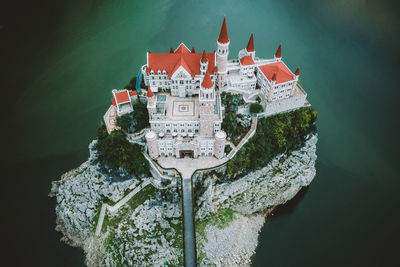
[(185, 111)]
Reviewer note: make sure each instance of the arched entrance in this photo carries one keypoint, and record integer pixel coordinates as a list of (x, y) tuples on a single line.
[(186, 153)]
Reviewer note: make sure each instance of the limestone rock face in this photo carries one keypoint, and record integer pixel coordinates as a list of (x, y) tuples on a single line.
[(79, 194), (275, 184), (150, 233)]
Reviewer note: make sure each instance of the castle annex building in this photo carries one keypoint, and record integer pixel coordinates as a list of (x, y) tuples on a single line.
[(183, 95)]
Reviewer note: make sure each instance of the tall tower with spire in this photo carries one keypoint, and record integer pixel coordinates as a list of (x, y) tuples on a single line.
[(222, 55), (207, 106)]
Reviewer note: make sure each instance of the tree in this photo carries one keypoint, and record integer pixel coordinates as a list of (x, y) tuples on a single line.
[(274, 135), (140, 114), (255, 108), (125, 121), (115, 151)]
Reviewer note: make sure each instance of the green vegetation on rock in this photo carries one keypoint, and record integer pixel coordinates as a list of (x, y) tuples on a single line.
[(115, 152), (276, 134), (233, 129), (255, 108), (139, 117)]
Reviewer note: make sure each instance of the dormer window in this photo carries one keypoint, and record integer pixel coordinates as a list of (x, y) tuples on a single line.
[(159, 72), (152, 72), (164, 72)]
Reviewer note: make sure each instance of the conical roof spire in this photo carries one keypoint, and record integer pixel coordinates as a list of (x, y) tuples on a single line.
[(223, 35), (207, 82), (193, 51), (171, 50), (278, 52), (297, 72), (203, 57), (149, 93), (250, 45)]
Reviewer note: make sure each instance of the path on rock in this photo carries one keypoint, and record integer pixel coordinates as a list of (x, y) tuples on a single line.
[(118, 205)]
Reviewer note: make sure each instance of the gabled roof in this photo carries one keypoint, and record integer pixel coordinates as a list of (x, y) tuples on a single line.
[(170, 62), (282, 73), (247, 60), (122, 97), (182, 49), (223, 35), (207, 82), (250, 45)]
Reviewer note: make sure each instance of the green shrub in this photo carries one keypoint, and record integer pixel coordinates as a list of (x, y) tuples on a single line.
[(274, 135), (115, 151), (255, 108), (125, 121)]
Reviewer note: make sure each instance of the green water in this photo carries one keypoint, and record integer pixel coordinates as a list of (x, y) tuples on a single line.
[(60, 62)]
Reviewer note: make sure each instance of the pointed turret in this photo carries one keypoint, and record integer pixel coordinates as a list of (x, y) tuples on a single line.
[(207, 82), (250, 45), (297, 72), (171, 50), (151, 102), (149, 93), (203, 57), (193, 51), (223, 35), (278, 53)]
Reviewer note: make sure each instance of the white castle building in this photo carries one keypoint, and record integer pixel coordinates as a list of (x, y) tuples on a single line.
[(183, 95)]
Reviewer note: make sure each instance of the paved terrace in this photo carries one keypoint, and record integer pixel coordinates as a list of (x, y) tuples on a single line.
[(187, 166)]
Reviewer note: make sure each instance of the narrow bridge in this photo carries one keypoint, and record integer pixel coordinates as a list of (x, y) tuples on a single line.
[(189, 239)]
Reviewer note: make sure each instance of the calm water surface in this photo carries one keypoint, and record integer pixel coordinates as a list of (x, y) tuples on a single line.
[(61, 60)]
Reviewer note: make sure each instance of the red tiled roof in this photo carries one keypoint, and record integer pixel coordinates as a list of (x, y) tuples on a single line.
[(132, 93), (223, 35), (122, 97), (149, 92), (113, 101), (297, 72), (207, 82), (171, 62), (247, 60), (250, 45), (278, 52), (182, 49), (203, 57), (282, 73)]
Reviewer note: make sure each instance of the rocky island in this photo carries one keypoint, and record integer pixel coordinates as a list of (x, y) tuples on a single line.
[(194, 154)]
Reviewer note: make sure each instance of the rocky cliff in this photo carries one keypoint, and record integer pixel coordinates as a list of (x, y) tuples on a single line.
[(234, 212), (147, 230)]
